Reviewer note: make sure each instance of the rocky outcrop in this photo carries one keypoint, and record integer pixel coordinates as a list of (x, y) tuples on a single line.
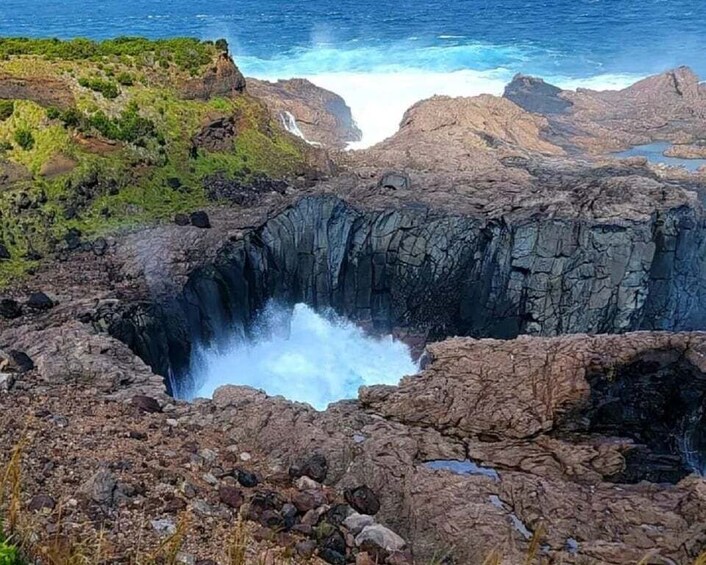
[(45, 91), (222, 79), (321, 116), (670, 106), (535, 95), (216, 136)]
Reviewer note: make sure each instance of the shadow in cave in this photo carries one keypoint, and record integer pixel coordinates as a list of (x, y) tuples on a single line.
[(657, 400)]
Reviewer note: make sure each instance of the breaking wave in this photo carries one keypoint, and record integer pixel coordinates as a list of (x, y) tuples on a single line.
[(302, 355), (380, 83)]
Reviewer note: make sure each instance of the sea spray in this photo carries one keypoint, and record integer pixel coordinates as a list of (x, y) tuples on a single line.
[(311, 357)]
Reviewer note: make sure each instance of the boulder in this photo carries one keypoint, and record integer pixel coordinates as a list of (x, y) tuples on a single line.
[(315, 467), (39, 301), (379, 537)]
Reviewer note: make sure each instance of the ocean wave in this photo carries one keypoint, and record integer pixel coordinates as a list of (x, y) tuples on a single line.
[(380, 82)]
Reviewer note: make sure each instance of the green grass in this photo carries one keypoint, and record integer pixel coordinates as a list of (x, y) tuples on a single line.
[(153, 128)]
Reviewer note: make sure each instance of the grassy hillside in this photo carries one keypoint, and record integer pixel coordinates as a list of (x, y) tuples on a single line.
[(101, 137)]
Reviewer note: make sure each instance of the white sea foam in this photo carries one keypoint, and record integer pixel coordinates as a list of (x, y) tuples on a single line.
[(303, 356), (380, 84)]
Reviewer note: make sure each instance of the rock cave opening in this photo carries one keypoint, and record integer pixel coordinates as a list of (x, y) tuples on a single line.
[(657, 400)]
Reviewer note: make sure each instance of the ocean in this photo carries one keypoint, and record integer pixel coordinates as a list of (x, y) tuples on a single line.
[(383, 56)]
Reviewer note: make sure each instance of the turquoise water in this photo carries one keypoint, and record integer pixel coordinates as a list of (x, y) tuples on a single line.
[(654, 152)]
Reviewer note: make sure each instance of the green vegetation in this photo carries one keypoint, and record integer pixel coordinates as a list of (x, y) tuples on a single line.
[(107, 162), (9, 554), (7, 107), (186, 53), (24, 138), (107, 88)]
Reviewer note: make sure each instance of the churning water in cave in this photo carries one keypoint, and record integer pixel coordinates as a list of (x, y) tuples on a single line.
[(311, 357)]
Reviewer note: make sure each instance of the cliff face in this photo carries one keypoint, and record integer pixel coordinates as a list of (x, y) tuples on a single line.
[(438, 274)]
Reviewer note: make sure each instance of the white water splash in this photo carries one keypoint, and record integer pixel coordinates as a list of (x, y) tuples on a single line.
[(303, 356)]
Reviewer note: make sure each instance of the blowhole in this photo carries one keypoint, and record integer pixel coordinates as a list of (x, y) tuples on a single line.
[(304, 355)]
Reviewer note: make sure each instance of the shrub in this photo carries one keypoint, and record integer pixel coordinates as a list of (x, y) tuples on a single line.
[(107, 88), (24, 138), (125, 79), (7, 108), (5, 146), (129, 127), (72, 118), (53, 113)]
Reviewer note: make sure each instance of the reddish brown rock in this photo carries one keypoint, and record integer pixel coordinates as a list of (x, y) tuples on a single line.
[(223, 78), (45, 91)]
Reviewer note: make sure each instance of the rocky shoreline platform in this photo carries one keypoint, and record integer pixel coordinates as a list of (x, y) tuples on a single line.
[(153, 199)]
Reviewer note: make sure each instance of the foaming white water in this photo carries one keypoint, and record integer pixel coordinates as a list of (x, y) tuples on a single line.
[(380, 83), (289, 122), (303, 356)]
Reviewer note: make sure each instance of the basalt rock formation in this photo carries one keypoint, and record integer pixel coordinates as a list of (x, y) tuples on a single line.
[(322, 116)]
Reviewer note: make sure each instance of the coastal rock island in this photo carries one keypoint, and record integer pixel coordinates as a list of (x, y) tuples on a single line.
[(153, 200)]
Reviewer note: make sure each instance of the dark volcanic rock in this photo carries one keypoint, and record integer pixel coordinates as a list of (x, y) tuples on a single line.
[(200, 219), (363, 500), (10, 309), (22, 362), (182, 220), (231, 496), (535, 95), (146, 404), (99, 246), (39, 301), (4, 252), (246, 478), (332, 557), (315, 467), (41, 502), (239, 191)]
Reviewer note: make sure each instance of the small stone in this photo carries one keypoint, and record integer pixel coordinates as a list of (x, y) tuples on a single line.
[(338, 513), (308, 500), (172, 423), (336, 542), (210, 479), (363, 499), (231, 496), (175, 505), (363, 558), (99, 246), (164, 526), (100, 488), (245, 456), (7, 381), (305, 548), (332, 557), (204, 508), (41, 502), (146, 404), (315, 467), (356, 522), (289, 514), (400, 558), (247, 479), (182, 220), (305, 483), (185, 558), (378, 536), (311, 518), (200, 219), (10, 309), (59, 421), (134, 434)]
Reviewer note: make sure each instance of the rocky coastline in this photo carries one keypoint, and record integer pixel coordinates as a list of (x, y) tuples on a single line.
[(555, 293)]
